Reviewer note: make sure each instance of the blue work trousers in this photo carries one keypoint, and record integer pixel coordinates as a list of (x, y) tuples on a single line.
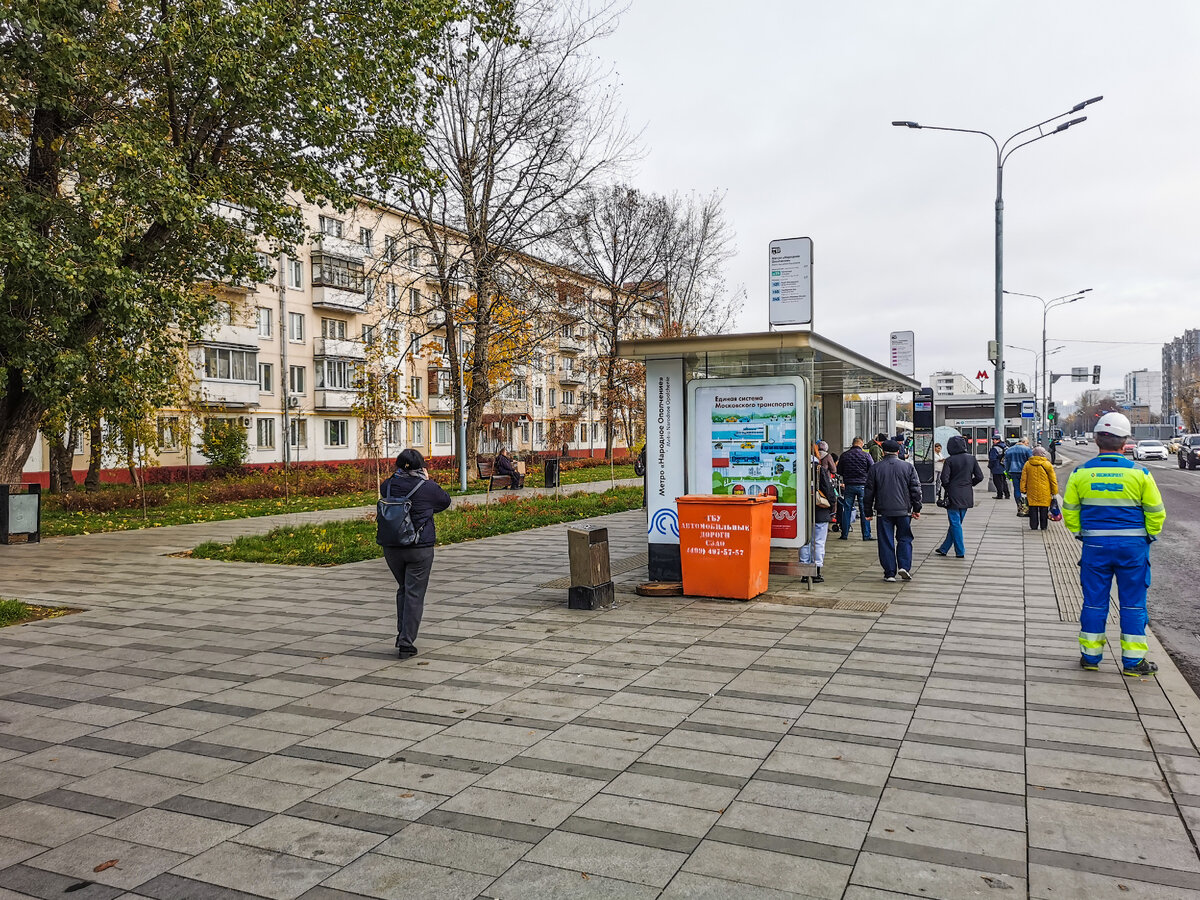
[(954, 534), (895, 543), (1015, 478), (853, 496), (1127, 560)]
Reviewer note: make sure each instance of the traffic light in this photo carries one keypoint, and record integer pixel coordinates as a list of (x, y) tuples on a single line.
[(1051, 413), (1095, 374)]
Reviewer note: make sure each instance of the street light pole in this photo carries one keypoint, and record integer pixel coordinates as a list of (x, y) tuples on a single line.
[(1048, 305), (1003, 152)]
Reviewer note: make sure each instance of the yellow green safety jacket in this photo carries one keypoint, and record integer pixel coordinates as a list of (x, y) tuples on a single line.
[(1111, 498)]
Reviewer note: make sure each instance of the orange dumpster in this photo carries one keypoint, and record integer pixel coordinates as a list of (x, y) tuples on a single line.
[(725, 545)]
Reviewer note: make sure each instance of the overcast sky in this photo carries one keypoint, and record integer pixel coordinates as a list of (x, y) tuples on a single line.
[(787, 107)]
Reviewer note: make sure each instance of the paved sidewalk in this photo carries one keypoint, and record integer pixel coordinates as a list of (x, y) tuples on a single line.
[(233, 731)]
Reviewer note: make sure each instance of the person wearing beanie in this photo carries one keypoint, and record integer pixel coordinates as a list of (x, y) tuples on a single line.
[(893, 490)]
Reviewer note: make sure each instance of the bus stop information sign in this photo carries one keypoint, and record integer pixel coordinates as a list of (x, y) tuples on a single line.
[(791, 281)]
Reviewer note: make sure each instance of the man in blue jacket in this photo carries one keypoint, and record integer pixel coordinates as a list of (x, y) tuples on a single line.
[(996, 467), (853, 466), (1014, 462)]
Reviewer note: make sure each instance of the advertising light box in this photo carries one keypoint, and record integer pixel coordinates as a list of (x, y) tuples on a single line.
[(749, 437)]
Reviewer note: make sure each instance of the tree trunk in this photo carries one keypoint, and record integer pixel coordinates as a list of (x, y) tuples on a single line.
[(95, 455), (62, 454), (19, 418)]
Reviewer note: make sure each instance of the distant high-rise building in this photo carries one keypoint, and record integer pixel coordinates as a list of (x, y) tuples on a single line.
[(1180, 360), (949, 383), (1144, 387)]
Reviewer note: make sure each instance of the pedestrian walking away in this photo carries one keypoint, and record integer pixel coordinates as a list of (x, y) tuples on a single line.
[(1113, 506), (875, 447), (410, 565), (996, 467), (1039, 484), (853, 466), (1014, 461), (960, 474), (894, 491), (814, 551)]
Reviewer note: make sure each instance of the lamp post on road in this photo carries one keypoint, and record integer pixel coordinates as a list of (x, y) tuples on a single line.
[(1003, 152), (1048, 305)]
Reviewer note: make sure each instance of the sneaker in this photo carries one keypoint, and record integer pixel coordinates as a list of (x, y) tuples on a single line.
[(939, 551), (889, 577), (868, 537), (904, 575), (1091, 667), (1142, 669)]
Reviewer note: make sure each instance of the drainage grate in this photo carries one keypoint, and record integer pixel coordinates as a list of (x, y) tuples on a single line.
[(862, 605)]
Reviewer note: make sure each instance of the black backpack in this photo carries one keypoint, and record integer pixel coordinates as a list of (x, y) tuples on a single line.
[(393, 519)]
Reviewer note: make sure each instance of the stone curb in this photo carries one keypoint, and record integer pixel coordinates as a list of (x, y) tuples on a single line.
[(1179, 693)]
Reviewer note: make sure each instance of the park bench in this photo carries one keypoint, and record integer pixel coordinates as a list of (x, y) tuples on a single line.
[(494, 480)]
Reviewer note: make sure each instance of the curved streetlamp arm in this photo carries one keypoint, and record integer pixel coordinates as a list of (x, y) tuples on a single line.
[(1074, 109), (959, 130), (1005, 154)]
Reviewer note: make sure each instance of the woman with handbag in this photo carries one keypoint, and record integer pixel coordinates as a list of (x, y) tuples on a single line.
[(823, 500), (960, 474), (1039, 484), (410, 555)]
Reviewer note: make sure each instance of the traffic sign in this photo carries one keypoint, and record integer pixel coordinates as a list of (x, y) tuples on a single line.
[(791, 281), (1027, 409)]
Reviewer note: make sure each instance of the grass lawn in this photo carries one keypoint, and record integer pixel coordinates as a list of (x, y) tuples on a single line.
[(14, 612), (335, 543), (56, 522)]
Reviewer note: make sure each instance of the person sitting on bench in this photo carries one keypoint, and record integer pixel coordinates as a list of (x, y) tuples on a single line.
[(503, 465)]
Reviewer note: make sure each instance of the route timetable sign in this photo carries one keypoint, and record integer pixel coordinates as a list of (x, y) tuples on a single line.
[(791, 281), (903, 353)]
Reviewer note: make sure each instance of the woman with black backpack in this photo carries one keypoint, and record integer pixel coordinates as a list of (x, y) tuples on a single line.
[(408, 546)]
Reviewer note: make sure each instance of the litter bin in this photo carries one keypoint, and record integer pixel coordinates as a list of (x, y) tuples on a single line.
[(725, 545), (550, 472), (20, 513)]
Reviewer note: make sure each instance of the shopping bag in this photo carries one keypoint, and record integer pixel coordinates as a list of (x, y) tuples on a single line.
[(1055, 509)]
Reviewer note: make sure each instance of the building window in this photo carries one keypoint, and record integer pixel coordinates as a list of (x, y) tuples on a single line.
[(390, 247), (568, 397), (552, 403), (414, 387), (520, 390), (539, 432), (439, 383), (333, 271), (391, 340), (222, 312), (266, 433), (524, 432), (418, 432), (264, 322), (296, 327), (222, 364), (595, 431), (468, 349), (395, 433), (537, 396), (266, 378), (333, 328), (582, 432), (414, 300), (414, 256), (168, 433), (441, 432), (330, 226), (336, 431), (298, 433), (568, 365), (336, 374), (295, 274), (296, 379), (264, 264), (366, 237)]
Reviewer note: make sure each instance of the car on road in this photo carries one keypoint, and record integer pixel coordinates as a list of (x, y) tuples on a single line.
[(1130, 446), (1150, 449), (1081, 439), (1189, 451)]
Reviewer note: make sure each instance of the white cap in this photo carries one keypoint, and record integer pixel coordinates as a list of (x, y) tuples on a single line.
[(1113, 423)]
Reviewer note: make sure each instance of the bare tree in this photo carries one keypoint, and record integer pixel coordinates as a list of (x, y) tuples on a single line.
[(1187, 393), (518, 128), (695, 298)]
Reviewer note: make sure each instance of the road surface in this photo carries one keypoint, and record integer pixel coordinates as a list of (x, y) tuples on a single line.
[(1174, 599)]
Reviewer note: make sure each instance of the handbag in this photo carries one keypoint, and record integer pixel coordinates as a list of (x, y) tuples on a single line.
[(822, 501), (1055, 509), (393, 520)]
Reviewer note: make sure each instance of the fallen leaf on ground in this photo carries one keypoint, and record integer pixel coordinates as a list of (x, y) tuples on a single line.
[(105, 865), (586, 876), (406, 796)]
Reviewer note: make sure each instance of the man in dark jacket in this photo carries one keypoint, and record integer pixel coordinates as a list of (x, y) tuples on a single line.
[(960, 474), (503, 465), (894, 490), (996, 467), (853, 466)]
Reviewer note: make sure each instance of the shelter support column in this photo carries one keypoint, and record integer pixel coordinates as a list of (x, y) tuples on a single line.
[(832, 417)]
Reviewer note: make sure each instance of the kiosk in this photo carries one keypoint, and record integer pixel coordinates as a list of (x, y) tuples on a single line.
[(735, 415)]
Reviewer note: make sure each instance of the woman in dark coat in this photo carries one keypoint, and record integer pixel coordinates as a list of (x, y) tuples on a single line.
[(411, 565), (960, 474)]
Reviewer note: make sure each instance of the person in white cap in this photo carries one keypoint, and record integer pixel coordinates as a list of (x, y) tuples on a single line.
[(1113, 506)]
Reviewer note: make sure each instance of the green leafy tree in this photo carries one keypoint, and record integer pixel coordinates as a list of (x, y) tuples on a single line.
[(147, 147), (224, 444)]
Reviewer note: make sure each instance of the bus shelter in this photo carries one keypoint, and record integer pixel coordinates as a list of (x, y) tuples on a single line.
[(735, 414)]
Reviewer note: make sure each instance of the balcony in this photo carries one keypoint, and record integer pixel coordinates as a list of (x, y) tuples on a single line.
[(231, 335), (571, 376), (338, 299), (340, 347), (336, 400), (227, 394), (435, 318), (441, 405), (570, 344), (340, 246)]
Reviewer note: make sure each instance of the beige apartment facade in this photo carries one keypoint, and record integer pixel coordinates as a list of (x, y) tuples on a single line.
[(289, 359)]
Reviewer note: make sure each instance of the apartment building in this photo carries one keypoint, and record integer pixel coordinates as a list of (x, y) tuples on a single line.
[(289, 359)]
